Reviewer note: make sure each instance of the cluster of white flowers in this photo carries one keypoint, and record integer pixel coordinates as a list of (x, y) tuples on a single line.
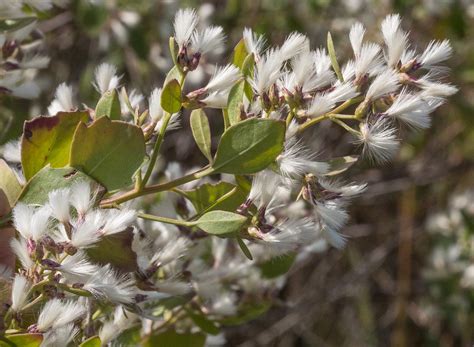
[(52, 245), (21, 56), (449, 269), (292, 82), (294, 207), (452, 230)]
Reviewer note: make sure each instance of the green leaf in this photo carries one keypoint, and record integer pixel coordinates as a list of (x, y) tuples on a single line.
[(48, 179), (174, 339), (173, 51), (248, 65), (247, 71), (221, 223), (249, 146), (47, 140), (26, 340), (201, 132), (203, 323), (341, 164), (173, 74), (116, 250), (108, 151), (93, 341), (333, 57), (244, 248), (9, 185), (109, 105), (240, 53), (171, 97), (235, 102), (277, 266), (208, 197), (225, 116), (244, 183), (14, 24)]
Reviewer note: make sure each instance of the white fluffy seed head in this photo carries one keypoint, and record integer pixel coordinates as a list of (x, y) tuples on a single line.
[(22, 215), (86, 234), (323, 103), (209, 40), (356, 36), (106, 78), (31, 222), (297, 160), (413, 109), (379, 141), (333, 217), (395, 39), (264, 185), (106, 283), (216, 99), (59, 204), (435, 53), (63, 100), (385, 83), (223, 78), (174, 250), (294, 45), (117, 220), (78, 266), (61, 336), (154, 105), (81, 198), (368, 61), (290, 234), (436, 89), (267, 71), (253, 43), (12, 151), (185, 22), (19, 247), (58, 313), (20, 289)]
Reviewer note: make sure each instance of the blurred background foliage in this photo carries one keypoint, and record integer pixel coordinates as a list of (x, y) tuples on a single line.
[(375, 292)]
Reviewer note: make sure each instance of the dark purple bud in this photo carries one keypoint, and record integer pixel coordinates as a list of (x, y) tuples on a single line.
[(9, 48), (193, 64), (50, 263), (140, 297)]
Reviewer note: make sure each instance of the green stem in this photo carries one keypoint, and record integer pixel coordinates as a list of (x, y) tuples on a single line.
[(76, 291), (157, 188), (165, 220), (344, 116), (159, 141), (139, 180), (38, 286), (34, 302), (156, 149), (328, 115), (345, 126), (225, 115), (290, 117)]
